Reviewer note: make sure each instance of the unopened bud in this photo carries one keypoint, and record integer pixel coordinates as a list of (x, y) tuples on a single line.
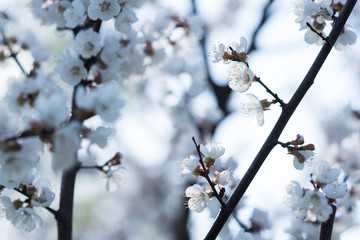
[(298, 141), (310, 147)]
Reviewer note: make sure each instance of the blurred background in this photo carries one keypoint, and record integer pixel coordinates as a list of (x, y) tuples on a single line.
[(188, 96)]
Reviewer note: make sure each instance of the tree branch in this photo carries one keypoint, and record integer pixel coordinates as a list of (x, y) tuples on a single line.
[(327, 227), (64, 218), (288, 110), (65, 212)]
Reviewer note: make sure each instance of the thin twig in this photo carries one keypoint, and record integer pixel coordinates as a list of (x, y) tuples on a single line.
[(28, 196), (206, 175), (12, 53), (286, 114), (282, 104), (316, 32)]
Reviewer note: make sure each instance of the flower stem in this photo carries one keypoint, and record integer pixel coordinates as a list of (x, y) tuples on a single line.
[(282, 104), (26, 195), (206, 175), (316, 32)]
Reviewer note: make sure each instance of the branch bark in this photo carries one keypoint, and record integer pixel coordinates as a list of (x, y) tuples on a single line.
[(287, 112), (65, 212), (327, 227)]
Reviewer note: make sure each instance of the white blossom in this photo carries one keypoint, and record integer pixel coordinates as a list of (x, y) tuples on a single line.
[(124, 21), (299, 164), (335, 190), (50, 13), (239, 47), (100, 136), (9, 207), (312, 37), (294, 194), (189, 165), (198, 198), (8, 122), (224, 177), (323, 173), (103, 9), (260, 219), (314, 206), (87, 43), (253, 108), (52, 109), (218, 53), (105, 101), (25, 218), (37, 51), (71, 69), (65, 146), (44, 195), (18, 166), (114, 178), (108, 101), (75, 15), (346, 38), (242, 77), (304, 9), (212, 150)]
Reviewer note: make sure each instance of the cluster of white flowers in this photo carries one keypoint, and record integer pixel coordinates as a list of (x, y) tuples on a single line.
[(18, 162), (22, 214), (317, 14), (241, 77), (199, 197), (314, 205), (23, 218), (302, 153), (71, 14), (97, 101)]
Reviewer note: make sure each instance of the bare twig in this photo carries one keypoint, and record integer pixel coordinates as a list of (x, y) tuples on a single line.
[(282, 104), (316, 32), (12, 53), (288, 110)]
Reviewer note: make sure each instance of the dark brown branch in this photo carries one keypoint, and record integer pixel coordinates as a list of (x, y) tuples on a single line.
[(327, 227), (288, 110), (65, 212), (64, 218)]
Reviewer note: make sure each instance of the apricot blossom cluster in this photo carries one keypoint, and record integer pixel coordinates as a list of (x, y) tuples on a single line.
[(200, 167), (242, 77)]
